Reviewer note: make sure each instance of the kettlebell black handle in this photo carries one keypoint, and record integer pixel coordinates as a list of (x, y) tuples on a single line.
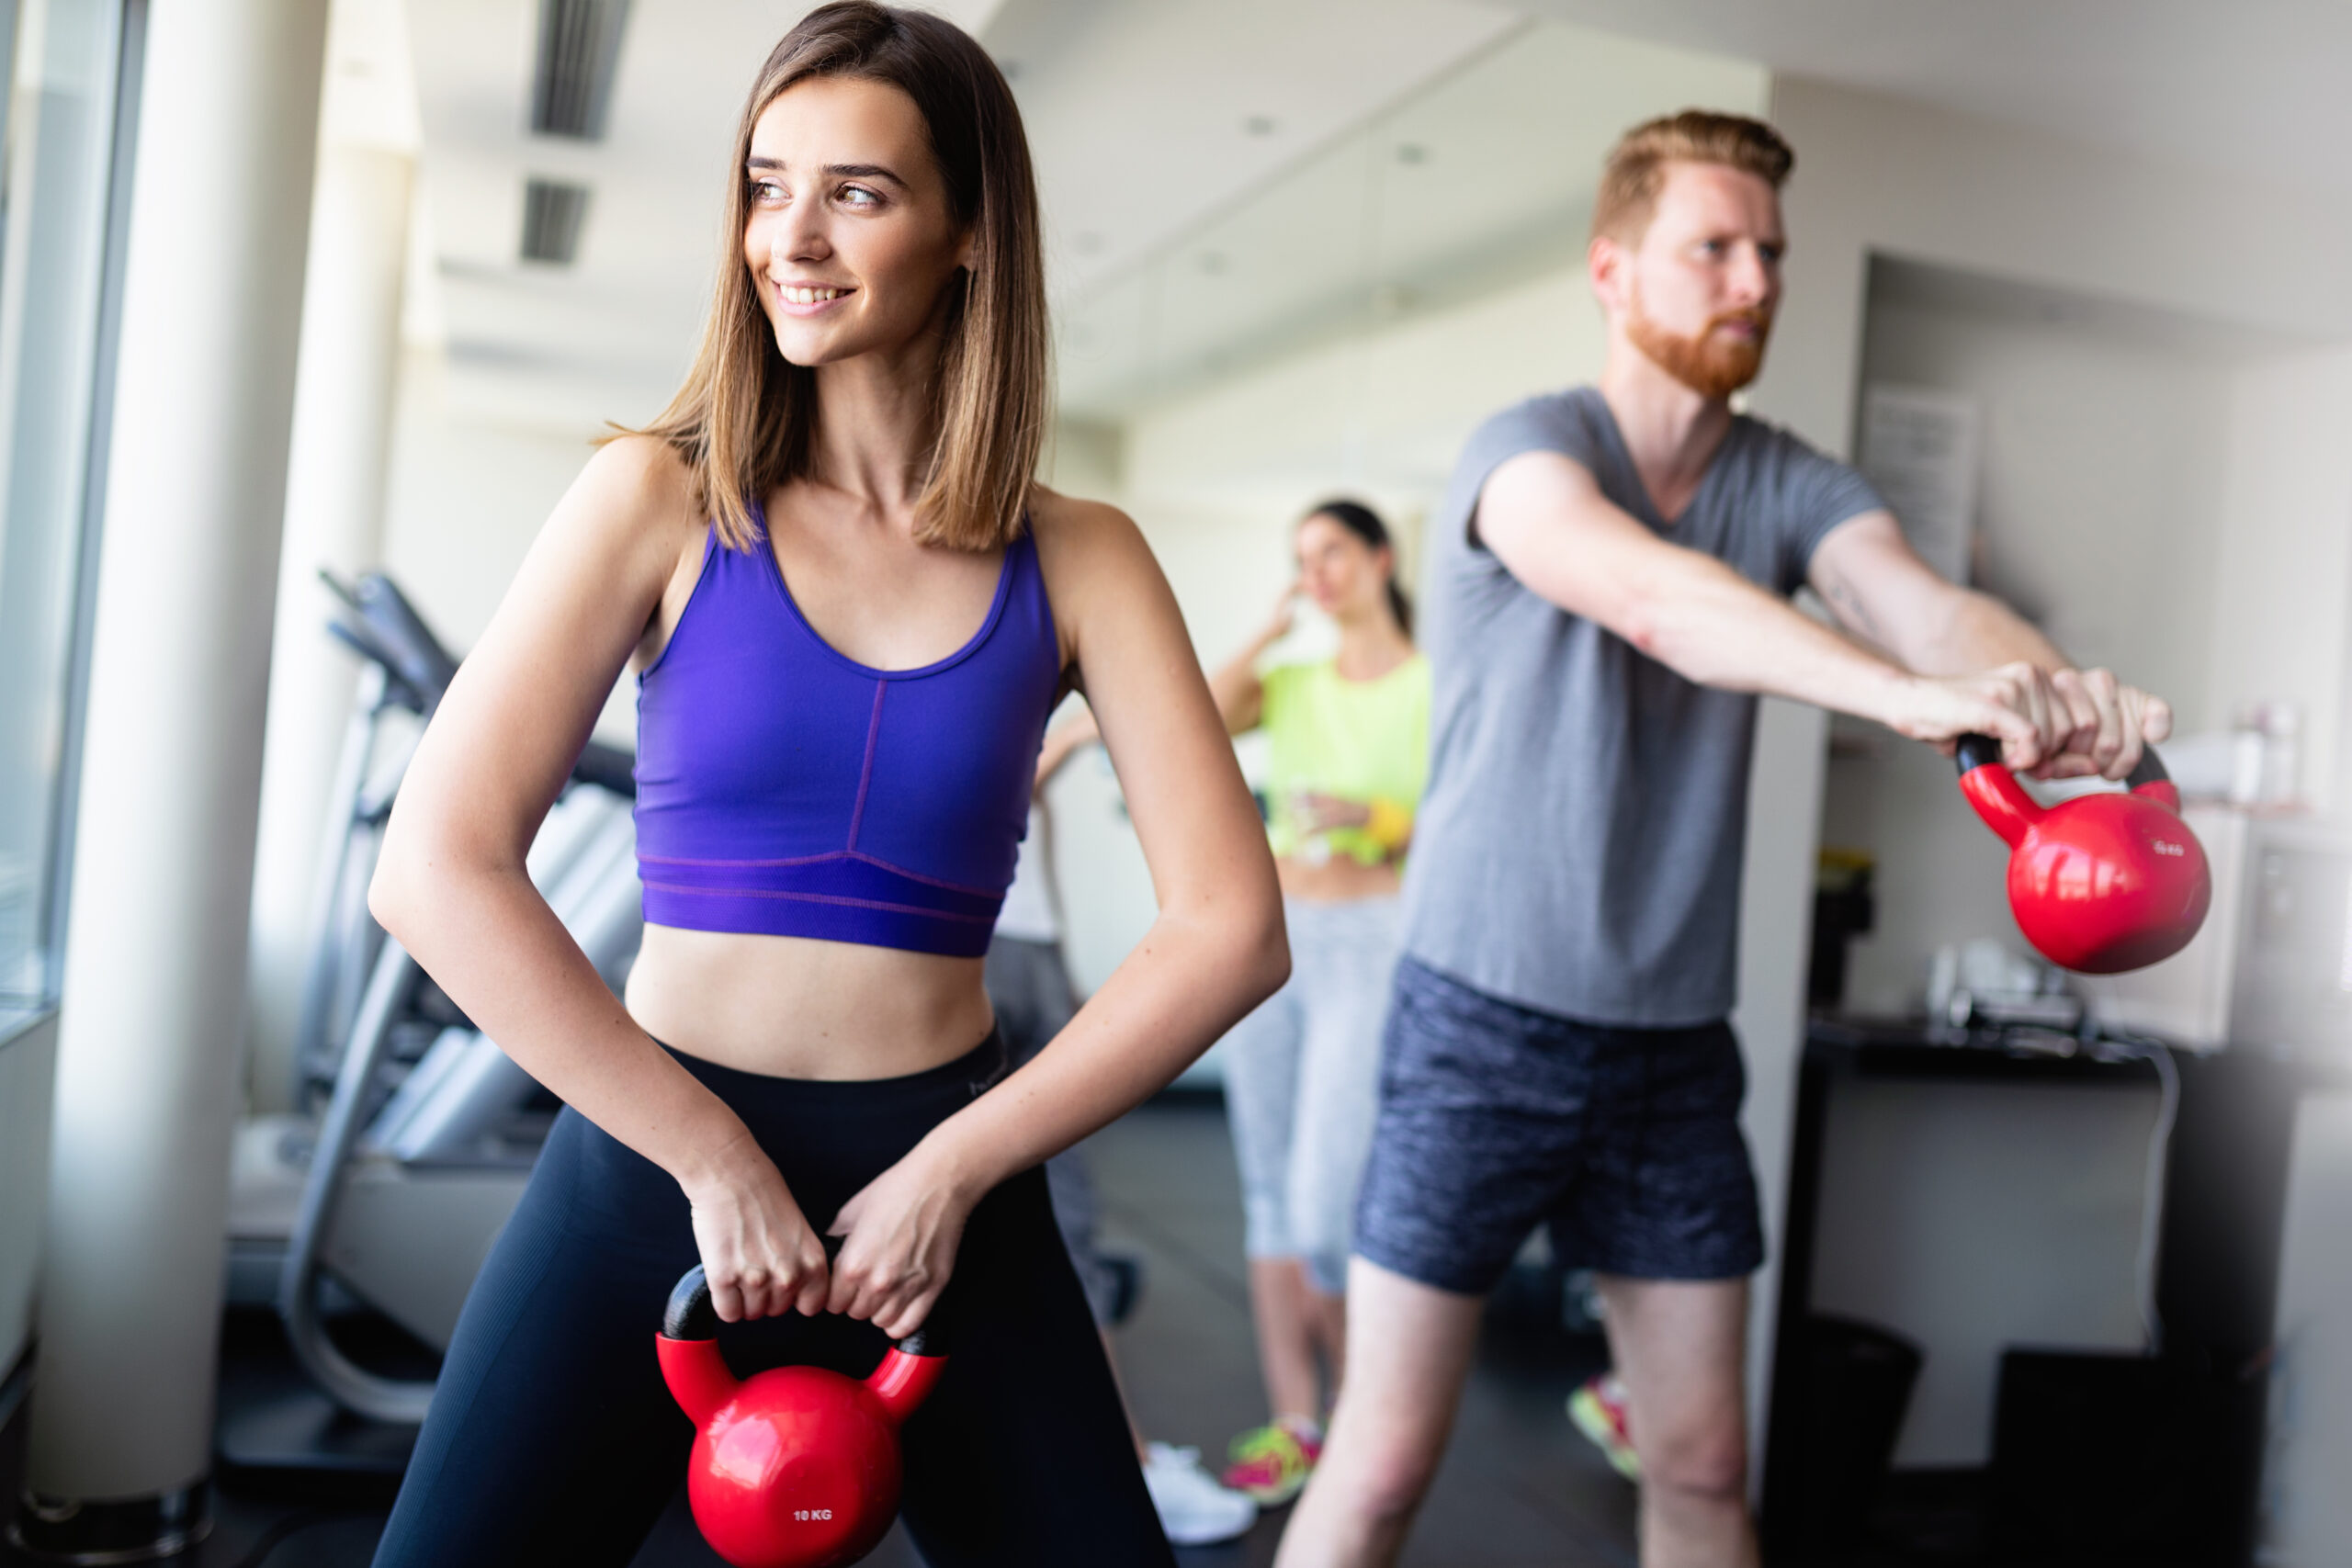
[(689, 1314), (1975, 750)]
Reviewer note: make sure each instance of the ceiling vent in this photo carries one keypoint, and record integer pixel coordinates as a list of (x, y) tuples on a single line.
[(552, 211), (580, 45)]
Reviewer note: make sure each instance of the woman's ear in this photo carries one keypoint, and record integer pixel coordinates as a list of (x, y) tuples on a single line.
[(968, 250)]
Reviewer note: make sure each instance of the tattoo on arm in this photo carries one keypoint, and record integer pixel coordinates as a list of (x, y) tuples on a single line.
[(1850, 608)]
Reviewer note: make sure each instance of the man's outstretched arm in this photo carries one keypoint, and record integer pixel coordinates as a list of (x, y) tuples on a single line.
[(1546, 520), (1877, 586)]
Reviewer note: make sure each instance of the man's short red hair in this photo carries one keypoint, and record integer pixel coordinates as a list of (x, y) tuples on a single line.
[(1635, 170)]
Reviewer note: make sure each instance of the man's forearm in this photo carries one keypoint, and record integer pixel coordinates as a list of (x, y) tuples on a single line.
[(1724, 631), (1718, 629), (1981, 633)]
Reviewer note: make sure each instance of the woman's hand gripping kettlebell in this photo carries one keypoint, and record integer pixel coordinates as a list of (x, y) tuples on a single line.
[(900, 1233), (760, 1255)]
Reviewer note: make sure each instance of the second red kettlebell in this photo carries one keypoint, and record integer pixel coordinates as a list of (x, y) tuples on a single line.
[(2101, 883), (795, 1467)]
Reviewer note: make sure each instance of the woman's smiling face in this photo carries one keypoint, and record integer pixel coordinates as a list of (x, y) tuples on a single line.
[(850, 239)]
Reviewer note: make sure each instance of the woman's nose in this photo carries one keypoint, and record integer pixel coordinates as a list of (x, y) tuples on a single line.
[(800, 237)]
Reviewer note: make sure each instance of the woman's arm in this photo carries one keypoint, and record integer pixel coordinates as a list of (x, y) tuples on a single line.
[(1216, 951), (1062, 743), (451, 885), (1240, 696)]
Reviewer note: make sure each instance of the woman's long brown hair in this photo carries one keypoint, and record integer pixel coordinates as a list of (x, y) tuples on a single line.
[(743, 418)]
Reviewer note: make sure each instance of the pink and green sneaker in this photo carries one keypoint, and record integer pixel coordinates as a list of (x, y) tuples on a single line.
[(1270, 1462), (1598, 1408)]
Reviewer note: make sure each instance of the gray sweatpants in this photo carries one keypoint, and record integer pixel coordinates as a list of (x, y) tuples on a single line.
[(1302, 1079)]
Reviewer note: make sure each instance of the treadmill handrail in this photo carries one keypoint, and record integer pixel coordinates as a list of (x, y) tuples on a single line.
[(383, 626), (361, 639), (607, 767), (424, 663), (349, 1384)]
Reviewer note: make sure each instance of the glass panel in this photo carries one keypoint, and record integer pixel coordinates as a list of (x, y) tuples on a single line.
[(1482, 177), (54, 186)]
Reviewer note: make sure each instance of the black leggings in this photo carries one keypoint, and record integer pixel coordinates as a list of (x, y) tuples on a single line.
[(552, 1440)]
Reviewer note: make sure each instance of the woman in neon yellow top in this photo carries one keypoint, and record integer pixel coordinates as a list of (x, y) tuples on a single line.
[(1350, 743)]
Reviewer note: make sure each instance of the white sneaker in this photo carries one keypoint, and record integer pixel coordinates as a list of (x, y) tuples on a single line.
[(1194, 1509)]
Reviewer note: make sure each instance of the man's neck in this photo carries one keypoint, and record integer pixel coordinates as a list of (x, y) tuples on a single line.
[(1671, 431)]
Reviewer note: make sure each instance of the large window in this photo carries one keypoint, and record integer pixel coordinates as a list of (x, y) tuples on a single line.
[(61, 201)]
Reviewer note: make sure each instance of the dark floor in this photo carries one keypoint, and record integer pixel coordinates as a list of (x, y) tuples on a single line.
[(1519, 1486)]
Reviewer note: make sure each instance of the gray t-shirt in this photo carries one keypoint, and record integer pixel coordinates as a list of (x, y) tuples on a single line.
[(1579, 847)]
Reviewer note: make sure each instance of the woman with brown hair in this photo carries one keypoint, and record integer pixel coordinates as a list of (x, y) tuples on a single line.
[(833, 772), (1348, 754)]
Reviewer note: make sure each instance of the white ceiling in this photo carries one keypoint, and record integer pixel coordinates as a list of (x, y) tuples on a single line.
[(1484, 175), (1183, 143), (2259, 86), (1146, 116)]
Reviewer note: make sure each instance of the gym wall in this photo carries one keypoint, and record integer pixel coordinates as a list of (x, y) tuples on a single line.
[(465, 498), (1880, 177), (2186, 408)]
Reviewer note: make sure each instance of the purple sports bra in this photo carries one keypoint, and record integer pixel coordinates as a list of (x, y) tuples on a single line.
[(786, 789)]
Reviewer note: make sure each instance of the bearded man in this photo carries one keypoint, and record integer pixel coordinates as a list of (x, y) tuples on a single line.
[(1607, 597)]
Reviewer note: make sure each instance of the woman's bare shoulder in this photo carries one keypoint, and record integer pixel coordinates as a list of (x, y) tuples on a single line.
[(624, 532), (638, 488), (1101, 578), (1076, 534)]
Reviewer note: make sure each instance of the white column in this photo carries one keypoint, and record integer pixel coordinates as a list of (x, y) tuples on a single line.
[(152, 1014), (334, 518), (1775, 952)]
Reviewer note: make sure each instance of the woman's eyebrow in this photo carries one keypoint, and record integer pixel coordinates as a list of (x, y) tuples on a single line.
[(837, 171), (864, 172)]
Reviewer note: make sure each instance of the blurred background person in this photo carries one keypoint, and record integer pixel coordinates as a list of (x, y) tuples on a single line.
[(1348, 752)]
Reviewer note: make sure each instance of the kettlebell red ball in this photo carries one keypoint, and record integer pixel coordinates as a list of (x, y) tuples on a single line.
[(795, 1467), (2099, 884)]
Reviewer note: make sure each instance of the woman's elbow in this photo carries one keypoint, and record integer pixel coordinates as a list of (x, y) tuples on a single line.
[(1274, 964), (1262, 955), (391, 891), (409, 876)]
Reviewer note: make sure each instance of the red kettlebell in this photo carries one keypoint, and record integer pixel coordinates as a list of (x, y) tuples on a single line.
[(2100, 882), (795, 1467)]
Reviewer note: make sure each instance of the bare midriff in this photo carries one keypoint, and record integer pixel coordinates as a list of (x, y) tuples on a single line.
[(1338, 880), (799, 1008)]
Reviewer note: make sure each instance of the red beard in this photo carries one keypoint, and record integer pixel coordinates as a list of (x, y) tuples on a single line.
[(1712, 366)]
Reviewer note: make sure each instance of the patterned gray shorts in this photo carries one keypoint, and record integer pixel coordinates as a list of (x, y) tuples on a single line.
[(1493, 1116)]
